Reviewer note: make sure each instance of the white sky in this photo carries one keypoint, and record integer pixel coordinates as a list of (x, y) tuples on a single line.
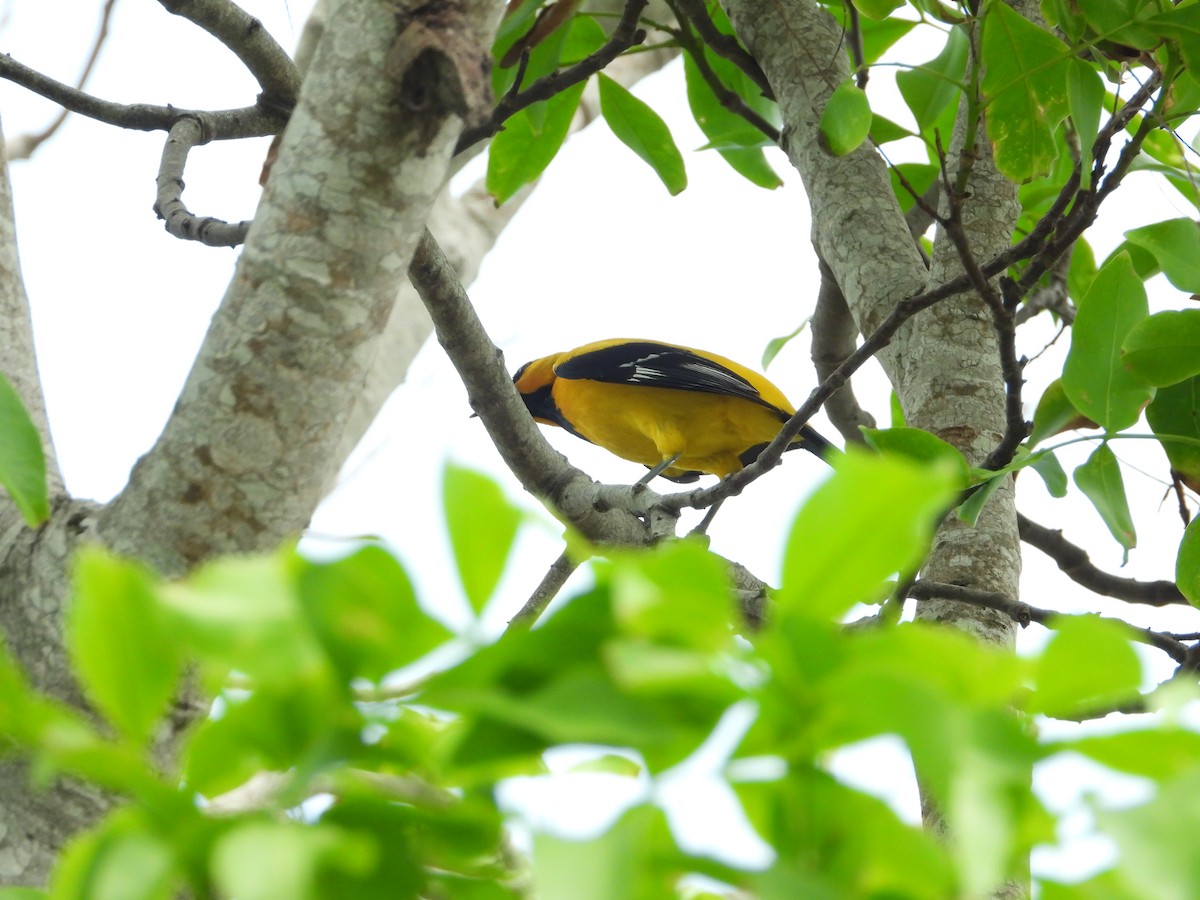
[(120, 308)]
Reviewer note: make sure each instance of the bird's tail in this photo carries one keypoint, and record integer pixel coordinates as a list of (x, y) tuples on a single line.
[(811, 440)]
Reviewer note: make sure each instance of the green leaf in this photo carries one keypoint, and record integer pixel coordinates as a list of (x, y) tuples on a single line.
[(846, 120), (1182, 24), (1187, 563), (1046, 464), (632, 859), (1089, 664), (1024, 70), (920, 176), (1160, 857), (725, 129), (642, 130), (482, 524), (1175, 413), (918, 445), (1164, 348), (873, 518), (365, 613), (243, 613), (1175, 243), (1094, 378), (1055, 414), (929, 89), (529, 141), (777, 344), (1085, 95), (122, 643), (879, 35), (1157, 753), (22, 462), (1100, 480), (262, 860), (122, 859), (1122, 21), (878, 9), (1082, 270)]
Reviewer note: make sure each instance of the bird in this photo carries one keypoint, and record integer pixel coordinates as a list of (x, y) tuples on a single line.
[(679, 411)]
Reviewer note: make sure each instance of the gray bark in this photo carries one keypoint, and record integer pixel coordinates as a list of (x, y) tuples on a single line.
[(243, 458)]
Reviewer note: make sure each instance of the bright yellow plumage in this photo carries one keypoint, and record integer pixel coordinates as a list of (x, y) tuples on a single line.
[(651, 402)]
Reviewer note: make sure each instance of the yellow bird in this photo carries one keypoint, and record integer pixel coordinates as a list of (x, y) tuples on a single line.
[(679, 411)]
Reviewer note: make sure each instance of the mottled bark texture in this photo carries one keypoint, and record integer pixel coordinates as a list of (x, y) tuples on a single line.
[(944, 363), (242, 460)]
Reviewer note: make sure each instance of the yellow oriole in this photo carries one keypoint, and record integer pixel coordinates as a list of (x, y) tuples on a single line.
[(679, 411)]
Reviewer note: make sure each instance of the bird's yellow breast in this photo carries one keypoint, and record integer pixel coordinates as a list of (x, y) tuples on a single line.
[(649, 424)]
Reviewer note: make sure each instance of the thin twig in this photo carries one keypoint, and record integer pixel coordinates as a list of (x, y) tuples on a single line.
[(25, 145), (725, 45), (556, 576), (728, 99), (626, 35), (1023, 614)]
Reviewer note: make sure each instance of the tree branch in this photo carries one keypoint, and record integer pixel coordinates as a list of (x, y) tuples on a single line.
[(1023, 614), (185, 134), (248, 447), (834, 335), (223, 125), (245, 35), (1073, 560)]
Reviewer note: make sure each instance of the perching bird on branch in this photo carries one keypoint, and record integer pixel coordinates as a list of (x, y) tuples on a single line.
[(679, 411)]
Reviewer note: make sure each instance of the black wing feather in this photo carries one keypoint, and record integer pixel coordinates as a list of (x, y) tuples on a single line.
[(649, 364)]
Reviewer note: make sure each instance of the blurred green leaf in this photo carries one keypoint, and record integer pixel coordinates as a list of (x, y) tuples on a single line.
[(121, 859), (918, 445), (1100, 480), (1088, 665), (874, 517), (243, 613), (643, 131), (833, 841), (1094, 378), (928, 90), (365, 613), (1164, 348), (846, 119), (264, 860), (635, 859), (1157, 753), (122, 643), (1024, 71), (677, 593), (529, 141), (482, 524), (1175, 413), (1160, 858), (1175, 244), (22, 461), (1187, 563)]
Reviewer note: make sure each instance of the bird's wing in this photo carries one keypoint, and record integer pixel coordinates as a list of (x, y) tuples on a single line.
[(649, 364)]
